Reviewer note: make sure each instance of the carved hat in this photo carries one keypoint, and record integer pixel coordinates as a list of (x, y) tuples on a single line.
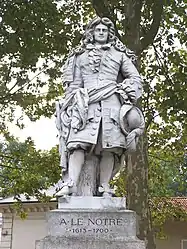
[(131, 118)]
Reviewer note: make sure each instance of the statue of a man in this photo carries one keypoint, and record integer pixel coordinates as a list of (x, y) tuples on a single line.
[(98, 114)]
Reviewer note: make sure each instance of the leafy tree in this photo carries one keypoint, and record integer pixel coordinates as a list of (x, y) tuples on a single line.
[(35, 38), (30, 40), (25, 170), (168, 178)]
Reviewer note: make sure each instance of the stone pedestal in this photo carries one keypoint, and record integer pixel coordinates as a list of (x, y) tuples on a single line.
[(91, 223)]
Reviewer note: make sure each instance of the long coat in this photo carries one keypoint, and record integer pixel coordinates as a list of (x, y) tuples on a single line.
[(103, 116)]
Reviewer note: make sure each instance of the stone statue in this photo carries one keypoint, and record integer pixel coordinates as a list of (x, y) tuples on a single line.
[(98, 114)]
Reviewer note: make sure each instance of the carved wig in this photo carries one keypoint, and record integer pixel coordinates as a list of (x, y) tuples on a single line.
[(88, 38)]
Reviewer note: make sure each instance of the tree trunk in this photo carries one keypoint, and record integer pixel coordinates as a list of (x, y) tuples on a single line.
[(137, 192), (137, 163)]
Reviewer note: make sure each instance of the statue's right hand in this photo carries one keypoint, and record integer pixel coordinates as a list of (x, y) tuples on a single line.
[(68, 92)]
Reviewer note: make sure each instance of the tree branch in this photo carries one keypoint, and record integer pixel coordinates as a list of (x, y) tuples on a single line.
[(9, 94), (7, 166), (5, 177), (131, 24), (163, 159), (150, 121), (6, 156), (103, 9), (162, 64), (157, 10)]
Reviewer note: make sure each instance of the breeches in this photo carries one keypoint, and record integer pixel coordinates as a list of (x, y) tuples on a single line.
[(96, 148)]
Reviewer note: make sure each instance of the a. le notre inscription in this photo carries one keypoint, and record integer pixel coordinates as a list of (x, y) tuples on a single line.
[(96, 225), (89, 221)]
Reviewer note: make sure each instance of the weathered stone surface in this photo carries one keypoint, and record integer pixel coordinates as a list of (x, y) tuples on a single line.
[(71, 202), (73, 243), (103, 224), (98, 119), (88, 177), (96, 223), (39, 244)]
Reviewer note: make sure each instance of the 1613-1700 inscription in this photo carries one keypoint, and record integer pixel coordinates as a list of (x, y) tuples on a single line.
[(94, 225)]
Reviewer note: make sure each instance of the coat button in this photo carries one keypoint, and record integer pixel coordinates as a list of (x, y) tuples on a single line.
[(92, 133), (94, 127)]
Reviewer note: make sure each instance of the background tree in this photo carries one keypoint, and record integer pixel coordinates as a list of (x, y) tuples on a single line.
[(25, 170)]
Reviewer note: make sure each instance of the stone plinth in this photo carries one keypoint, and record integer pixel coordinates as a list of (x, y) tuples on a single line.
[(90, 202), (91, 223), (72, 243)]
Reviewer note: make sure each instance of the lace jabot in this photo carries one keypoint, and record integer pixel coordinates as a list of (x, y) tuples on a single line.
[(95, 54)]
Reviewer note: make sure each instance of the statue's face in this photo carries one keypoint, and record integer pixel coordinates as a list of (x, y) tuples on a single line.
[(101, 34)]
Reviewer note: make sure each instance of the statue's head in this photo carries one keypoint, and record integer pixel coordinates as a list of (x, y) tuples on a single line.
[(99, 30)]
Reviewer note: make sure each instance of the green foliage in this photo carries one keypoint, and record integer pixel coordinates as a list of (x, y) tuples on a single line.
[(31, 47), (168, 177), (164, 209), (25, 170), (119, 183)]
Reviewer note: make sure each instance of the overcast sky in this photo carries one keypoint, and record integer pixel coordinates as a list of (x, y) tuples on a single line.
[(43, 132)]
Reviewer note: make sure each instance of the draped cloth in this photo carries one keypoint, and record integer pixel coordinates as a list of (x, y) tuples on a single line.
[(74, 110), (73, 113)]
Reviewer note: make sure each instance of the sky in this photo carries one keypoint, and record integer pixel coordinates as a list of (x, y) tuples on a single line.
[(43, 132)]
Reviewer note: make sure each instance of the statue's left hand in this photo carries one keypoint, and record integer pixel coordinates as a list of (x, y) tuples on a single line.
[(131, 141), (128, 87)]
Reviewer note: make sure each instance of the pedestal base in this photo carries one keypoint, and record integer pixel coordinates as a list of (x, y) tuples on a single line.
[(72, 243), (91, 223)]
